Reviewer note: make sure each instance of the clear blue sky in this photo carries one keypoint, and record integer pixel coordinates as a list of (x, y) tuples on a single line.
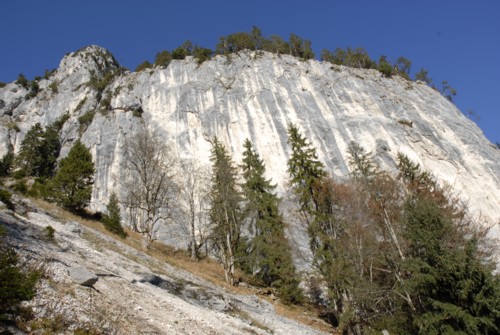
[(455, 40)]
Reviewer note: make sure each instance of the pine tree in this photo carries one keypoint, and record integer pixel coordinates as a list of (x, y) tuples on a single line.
[(269, 257), (39, 151), (304, 168), (448, 277), (112, 219), (226, 214), (71, 187)]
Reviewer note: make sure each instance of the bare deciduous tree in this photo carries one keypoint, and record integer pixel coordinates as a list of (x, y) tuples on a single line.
[(194, 204), (150, 189)]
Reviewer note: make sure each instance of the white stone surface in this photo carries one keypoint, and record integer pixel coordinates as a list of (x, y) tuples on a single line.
[(255, 95)]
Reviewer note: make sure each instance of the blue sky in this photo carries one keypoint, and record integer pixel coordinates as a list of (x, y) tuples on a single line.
[(455, 40)]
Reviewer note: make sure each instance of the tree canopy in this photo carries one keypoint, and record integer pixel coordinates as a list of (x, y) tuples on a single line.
[(71, 187)]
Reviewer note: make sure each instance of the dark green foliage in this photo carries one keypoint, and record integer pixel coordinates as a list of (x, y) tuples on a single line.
[(299, 47), (20, 186), (59, 123), (304, 168), (21, 80), (16, 285), (448, 278), (385, 67), (80, 105), (100, 83), (6, 164), (34, 89), (39, 151), (269, 256), (112, 219), (423, 75), (453, 290), (186, 49), (361, 163), (49, 233), (86, 119), (202, 54), (276, 45), (402, 67), (143, 66), (54, 87), (6, 198), (2, 84), (71, 187), (448, 91), (163, 58), (226, 212), (234, 43), (357, 58), (47, 74)]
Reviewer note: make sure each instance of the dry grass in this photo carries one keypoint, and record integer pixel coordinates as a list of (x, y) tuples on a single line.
[(205, 268)]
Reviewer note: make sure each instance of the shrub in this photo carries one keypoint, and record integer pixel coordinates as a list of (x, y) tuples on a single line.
[(54, 86), (6, 164), (20, 186), (21, 80), (112, 219), (34, 89), (49, 233), (16, 285), (86, 119), (2, 84), (48, 73), (202, 54), (384, 67), (143, 66), (6, 198), (163, 58)]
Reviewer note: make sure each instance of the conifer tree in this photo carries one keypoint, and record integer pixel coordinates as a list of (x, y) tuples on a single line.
[(448, 276), (304, 168), (71, 187), (39, 151), (269, 257), (226, 214), (112, 218)]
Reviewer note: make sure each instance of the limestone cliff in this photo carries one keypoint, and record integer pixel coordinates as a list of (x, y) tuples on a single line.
[(254, 95)]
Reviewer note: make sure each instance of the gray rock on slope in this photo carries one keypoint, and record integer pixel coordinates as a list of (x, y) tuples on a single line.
[(82, 276)]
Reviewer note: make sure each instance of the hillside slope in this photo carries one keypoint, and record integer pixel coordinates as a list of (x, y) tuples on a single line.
[(135, 292)]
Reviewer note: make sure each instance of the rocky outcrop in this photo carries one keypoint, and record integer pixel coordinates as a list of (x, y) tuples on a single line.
[(255, 95)]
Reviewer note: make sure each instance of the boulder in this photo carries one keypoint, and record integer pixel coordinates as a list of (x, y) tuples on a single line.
[(151, 279), (82, 276)]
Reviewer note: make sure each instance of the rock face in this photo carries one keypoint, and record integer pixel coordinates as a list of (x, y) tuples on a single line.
[(255, 95)]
